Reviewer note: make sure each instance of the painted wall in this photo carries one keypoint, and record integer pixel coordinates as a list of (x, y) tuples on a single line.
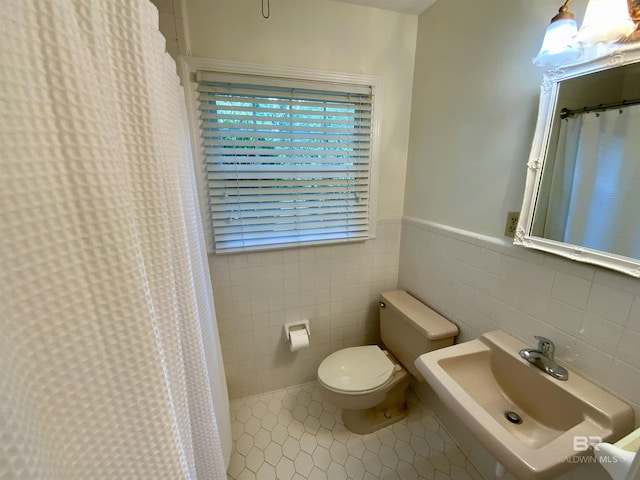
[(336, 287), (474, 107)]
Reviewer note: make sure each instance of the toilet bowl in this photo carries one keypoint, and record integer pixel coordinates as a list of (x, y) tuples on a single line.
[(359, 377), (370, 383)]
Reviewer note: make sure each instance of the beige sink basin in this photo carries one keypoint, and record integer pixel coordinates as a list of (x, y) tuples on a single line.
[(483, 379)]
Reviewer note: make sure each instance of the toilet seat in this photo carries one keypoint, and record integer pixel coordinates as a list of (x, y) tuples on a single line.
[(356, 370)]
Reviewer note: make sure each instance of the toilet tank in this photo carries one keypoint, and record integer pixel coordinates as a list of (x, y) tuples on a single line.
[(409, 328)]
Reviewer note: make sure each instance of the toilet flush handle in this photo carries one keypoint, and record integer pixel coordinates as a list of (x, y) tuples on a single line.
[(382, 304)]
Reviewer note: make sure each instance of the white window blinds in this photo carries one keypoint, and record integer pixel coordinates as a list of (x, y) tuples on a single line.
[(288, 162)]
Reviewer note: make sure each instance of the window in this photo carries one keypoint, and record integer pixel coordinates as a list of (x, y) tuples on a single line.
[(288, 162)]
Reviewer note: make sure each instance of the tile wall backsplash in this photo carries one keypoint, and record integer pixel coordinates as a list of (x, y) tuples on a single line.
[(480, 283), (336, 287), (483, 284)]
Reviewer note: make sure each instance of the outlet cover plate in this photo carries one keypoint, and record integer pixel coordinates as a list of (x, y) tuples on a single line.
[(512, 224)]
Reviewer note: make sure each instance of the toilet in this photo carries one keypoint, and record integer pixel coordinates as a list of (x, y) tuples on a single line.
[(370, 383)]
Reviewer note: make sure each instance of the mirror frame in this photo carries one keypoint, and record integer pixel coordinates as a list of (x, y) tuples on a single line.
[(619, 56)]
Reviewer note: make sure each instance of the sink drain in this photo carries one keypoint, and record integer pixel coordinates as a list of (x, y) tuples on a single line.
[(513, 417)]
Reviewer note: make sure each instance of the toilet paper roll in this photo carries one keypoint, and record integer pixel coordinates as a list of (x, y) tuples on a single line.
[(298, 339)]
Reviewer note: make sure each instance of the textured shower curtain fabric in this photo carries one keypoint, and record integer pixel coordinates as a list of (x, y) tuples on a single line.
[(110, 366), (595, 195)]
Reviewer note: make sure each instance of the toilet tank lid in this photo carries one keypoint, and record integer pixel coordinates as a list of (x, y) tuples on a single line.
[(434, 325)]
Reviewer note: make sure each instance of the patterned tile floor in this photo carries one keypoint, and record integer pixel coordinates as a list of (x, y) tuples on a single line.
[(295, 434)]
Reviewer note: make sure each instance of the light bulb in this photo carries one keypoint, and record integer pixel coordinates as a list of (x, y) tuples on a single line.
[(559, 46), (605, 21)]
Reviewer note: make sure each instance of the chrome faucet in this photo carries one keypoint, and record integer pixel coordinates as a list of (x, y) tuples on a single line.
[(542, 357)]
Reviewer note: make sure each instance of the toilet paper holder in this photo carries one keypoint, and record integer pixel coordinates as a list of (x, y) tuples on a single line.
[(292, 326)]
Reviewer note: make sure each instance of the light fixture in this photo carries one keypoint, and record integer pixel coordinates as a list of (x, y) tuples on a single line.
[(605, 21), (559, 45), (634, 11)]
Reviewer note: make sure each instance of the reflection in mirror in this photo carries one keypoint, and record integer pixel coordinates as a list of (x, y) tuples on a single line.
[(590, 189), (583, 183)]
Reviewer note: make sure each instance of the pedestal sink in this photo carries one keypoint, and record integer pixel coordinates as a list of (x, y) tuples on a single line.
[(535, 425)]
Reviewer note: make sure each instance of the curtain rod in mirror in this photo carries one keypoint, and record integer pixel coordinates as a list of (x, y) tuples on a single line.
[(566, 112)]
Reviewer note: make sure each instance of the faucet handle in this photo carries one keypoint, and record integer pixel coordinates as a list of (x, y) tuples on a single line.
[(546, 346)]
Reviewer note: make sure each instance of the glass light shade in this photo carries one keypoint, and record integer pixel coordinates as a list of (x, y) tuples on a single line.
[(559, 45), (605, 21)]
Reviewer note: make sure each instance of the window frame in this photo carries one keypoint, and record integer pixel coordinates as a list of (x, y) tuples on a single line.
[(190, 65)]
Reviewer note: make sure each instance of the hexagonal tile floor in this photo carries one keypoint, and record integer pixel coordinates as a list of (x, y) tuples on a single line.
[(294, 434)]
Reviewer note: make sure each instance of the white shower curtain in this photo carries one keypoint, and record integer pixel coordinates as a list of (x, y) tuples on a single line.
[(595, 190), (110, 366)]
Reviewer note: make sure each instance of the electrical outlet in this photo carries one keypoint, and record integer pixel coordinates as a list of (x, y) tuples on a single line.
[(512, 224)]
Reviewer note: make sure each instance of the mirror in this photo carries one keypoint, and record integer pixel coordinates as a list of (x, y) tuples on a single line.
[(582, 193)]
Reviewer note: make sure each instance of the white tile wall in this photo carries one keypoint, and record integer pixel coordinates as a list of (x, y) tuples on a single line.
[(336, 287), (482, 284)]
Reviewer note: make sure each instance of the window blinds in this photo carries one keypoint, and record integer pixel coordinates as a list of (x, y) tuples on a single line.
[(287, 162)]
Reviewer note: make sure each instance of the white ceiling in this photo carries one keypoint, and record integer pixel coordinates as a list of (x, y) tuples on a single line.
[(415, 7)]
